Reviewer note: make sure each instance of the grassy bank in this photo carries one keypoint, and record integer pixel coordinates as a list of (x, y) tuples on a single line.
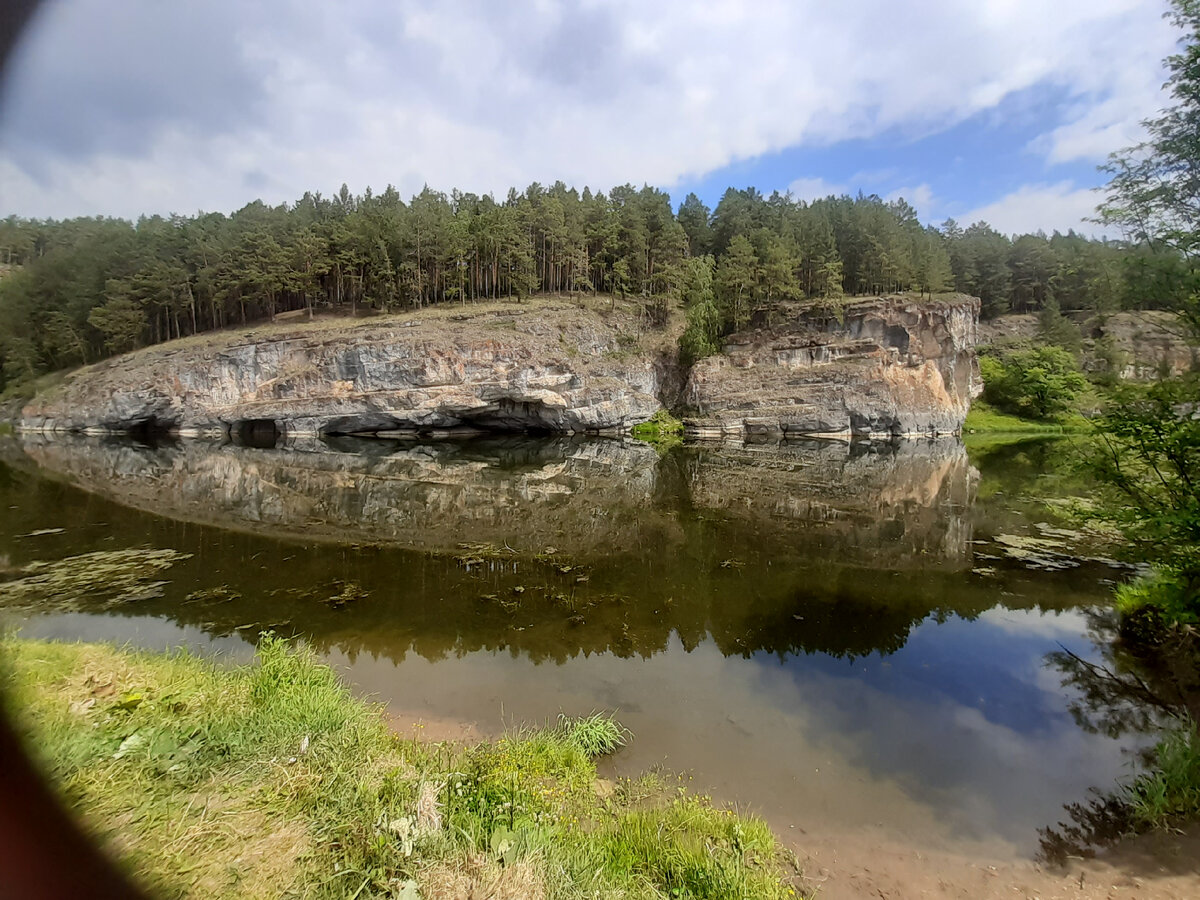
[(984, 419), (271, 780)]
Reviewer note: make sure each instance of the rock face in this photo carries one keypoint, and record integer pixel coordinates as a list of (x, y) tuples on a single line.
[(1142, 346), (892, 366), (560, 369)]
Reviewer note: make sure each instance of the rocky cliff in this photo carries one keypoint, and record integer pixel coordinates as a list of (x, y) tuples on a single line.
[(889, 366), (1135, 346), (560, 368)]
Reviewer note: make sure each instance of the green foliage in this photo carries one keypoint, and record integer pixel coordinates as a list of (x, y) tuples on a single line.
[(81, 289), (1161, 596), (1153, 191), (663, 431), (1055, 328), (1040, 383), (984, 419), (734, 283), (1146, 462), (690, 849), (1169, 793), (596, 735), (284, 784)]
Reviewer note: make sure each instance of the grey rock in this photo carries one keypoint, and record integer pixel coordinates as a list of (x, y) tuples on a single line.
[(892, 366)]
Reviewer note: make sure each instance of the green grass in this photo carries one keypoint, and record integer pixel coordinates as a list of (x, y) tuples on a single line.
[(270, 779), (983, 418), (596, 735), (663, 430), (1169, 794)]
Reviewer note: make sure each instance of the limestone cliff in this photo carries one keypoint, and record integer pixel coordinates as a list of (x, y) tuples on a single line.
[(561, 368), (890, 366)]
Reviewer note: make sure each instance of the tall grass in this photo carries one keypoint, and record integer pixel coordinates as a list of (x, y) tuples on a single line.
[(1169, 793), (269, 780)]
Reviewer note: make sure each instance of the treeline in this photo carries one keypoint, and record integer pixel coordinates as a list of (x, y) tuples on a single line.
[(75, 291)]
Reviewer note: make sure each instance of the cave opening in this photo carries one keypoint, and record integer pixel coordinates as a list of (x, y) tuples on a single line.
[(152, 430), (262, 434)]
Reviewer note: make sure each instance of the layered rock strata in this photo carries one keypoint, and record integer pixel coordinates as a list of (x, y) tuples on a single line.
[(554, 369), (884, 367), (887, 367)]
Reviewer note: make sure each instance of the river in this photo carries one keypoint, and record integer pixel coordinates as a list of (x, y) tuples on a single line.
[(847, 639)]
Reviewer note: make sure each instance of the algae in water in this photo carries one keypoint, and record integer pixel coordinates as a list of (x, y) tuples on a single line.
[(103, 579)]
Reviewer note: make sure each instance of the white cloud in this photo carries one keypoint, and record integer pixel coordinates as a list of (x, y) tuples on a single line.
[(815, 189), (482, 96), (1049, 207)]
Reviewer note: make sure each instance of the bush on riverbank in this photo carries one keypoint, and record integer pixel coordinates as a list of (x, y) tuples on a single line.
[(663, 431), (270, 780)]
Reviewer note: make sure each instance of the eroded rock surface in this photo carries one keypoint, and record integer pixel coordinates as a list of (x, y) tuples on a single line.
[(888, 366), (559, 369), (1142, 345), (892, 366)]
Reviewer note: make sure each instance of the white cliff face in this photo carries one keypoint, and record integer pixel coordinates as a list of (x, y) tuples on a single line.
[(891, 366), (561, 370)]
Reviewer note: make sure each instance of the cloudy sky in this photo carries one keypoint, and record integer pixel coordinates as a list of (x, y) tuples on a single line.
[(977, 109)]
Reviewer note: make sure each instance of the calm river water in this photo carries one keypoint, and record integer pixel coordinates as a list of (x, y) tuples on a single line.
[(849, 638)]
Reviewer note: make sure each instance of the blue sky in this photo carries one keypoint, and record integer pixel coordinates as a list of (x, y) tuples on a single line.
[(992, 109)]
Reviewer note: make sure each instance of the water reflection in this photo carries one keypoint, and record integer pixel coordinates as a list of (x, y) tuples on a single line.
[(807, 626), (588, 498)]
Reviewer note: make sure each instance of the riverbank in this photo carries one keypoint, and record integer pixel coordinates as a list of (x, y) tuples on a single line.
[(272, 780), (984, 419)]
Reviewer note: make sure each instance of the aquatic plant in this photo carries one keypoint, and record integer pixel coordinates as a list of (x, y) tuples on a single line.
[(101, 579), (1169, 792), (596, 735)]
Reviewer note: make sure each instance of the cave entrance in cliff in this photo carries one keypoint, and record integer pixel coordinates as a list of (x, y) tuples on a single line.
[(260, 433), (151, 431)]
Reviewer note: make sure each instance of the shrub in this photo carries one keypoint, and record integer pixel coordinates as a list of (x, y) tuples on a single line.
[(1040, 383)]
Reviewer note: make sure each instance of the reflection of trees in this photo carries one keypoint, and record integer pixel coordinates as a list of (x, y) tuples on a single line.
[(1124, 693)]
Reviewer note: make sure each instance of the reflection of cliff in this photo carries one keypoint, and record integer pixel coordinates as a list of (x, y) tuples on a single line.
[(585, 495), (797, 548), (899, 504)]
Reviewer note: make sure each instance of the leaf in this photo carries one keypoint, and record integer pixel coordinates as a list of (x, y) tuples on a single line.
[(501, 842), (131, 744), (130, 701)]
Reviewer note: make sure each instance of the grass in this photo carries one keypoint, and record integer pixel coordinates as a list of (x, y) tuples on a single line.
[(270, 779), (983, 418), (662, 430), (1169, 793)]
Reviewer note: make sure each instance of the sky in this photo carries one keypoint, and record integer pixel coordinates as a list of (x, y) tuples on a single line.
[(992, 110)]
